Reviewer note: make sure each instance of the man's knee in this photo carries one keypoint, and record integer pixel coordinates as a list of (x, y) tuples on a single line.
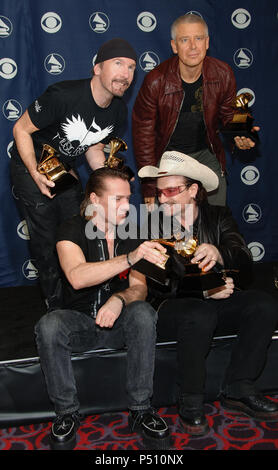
[(48, 327), (141, 314)]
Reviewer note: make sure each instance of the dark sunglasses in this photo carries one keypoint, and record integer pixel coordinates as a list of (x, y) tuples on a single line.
[(170, 192)]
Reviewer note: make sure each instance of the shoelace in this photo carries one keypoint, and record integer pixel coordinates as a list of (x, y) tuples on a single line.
[(62, 422), (63, 425), (154, 421), (140, 416)]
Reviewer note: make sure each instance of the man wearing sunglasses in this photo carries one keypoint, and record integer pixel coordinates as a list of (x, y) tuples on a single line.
[(193, 318)]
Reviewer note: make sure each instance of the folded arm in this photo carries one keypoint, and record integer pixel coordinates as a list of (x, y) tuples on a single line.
[(22, 131)]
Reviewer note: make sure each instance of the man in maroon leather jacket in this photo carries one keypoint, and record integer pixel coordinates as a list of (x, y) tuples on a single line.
[(159, 106)]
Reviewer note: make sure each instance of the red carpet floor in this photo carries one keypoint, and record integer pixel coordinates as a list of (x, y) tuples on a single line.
[(228, 431)]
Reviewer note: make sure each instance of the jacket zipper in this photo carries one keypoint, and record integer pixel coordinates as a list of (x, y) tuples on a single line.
[(210, 143), (175, 122)]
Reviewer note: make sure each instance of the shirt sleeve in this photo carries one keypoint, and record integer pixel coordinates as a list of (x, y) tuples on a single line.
[(71, 230), (48, 108)]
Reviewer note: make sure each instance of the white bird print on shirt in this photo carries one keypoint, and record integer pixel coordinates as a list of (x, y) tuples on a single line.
[(76, 129)]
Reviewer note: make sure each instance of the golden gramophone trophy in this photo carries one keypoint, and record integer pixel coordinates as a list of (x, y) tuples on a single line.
[(54, 170), (118, 163), (242, 122), (183, 249)]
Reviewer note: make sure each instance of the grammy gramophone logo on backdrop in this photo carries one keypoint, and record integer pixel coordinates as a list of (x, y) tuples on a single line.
[(6, 27)]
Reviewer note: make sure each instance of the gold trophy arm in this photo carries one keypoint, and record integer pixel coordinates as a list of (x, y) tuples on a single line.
[(48, 152), (242, 100), (183, 247), (116, 144)]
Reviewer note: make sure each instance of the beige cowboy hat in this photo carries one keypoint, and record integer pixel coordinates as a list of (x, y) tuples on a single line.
[(174, 163)]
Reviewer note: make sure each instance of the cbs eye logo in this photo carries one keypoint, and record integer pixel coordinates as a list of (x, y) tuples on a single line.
[(22, 230), (257, 250), (146, 21), (8, 68), (241, 18), (9, 146), (249, 175), (51, 22)]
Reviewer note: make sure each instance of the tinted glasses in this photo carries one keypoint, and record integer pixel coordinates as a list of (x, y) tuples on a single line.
[(170, 192)]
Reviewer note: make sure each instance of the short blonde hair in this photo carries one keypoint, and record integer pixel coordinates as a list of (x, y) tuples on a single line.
[(186, 19)]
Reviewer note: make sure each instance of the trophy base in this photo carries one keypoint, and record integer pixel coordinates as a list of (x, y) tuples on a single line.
[(152, 271), (241, 126), (202, 281), (63, 183), (194, 280)]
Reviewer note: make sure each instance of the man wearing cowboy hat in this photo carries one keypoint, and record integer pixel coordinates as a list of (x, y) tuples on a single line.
[(193, 320)]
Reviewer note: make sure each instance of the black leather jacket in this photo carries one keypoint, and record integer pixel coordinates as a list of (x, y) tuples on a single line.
[(217, 226)]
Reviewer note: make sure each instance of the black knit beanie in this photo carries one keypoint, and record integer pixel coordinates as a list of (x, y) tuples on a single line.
[(116, 47)]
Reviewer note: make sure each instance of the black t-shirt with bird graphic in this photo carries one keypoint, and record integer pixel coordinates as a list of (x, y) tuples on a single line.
[(70, 121)]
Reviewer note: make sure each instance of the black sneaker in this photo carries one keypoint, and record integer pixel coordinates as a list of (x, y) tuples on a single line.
[(152, 428), (63, 432)]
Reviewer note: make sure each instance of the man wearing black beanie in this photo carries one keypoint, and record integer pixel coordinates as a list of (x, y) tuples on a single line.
[(74, 117)]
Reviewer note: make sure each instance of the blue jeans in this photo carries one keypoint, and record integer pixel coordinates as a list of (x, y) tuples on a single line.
[(43, 216), (61, 332)]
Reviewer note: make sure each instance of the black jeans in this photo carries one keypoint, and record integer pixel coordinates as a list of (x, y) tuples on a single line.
[(61, 332), (252, 315), (43, 216)]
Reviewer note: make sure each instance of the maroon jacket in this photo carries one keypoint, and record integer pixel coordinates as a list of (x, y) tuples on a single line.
[(157, 106)]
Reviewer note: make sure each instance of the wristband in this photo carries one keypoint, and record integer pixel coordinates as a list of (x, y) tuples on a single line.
[(128, 260), (205, 294), (121, 298)]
